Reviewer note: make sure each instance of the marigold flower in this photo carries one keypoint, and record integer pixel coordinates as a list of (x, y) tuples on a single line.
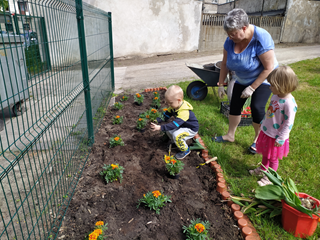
[(173, 161), (165, 109), (98, 231), (93, 236), (116, 103), (144, 195), (114, 166), (147, 116), (140, 119), (116, 138), (167, 159), (138, 95), (99, 223), (156, 98), (155, 92), (153, 110), (199, 227), (156, 193), (123, 97), (117, 116)]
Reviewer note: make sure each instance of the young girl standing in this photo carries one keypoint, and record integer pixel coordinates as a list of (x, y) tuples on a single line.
[(273, 140)]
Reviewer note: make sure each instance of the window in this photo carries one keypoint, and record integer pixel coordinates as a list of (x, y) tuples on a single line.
[(23, 7)]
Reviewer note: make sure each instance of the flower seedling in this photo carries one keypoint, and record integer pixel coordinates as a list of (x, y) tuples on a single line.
[(156, 102), (138, 98), (99, 232), (173, 165), (117, 119), (154, 200), (115, 141), (118, 105), (197, 230), (124, 98), (141, 123), (112, 172), (156, 94)]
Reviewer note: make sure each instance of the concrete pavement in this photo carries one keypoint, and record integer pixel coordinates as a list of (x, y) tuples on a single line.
[(137, 77)]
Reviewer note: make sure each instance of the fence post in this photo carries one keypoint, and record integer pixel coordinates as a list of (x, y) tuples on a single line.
[(111, 50), (84, 67)]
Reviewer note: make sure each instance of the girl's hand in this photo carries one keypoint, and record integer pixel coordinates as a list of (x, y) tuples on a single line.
[(155, 127), (277, 144)]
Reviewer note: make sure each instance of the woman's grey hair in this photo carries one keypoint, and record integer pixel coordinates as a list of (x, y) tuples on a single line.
[(235, 20)]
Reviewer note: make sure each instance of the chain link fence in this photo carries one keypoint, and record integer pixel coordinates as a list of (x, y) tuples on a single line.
[(56, 79)]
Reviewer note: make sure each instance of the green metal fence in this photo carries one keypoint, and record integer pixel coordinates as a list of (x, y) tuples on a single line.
[(56, 78)]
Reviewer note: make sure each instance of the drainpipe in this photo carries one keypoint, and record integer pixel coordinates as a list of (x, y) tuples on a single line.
[(284, 21)]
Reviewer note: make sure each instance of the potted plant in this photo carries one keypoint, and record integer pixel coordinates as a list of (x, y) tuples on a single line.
[(117, 119), (124, 98), (141, 123), (197, 230), (118, 105), (112, 172), (154, 200), (156, 101), (99, 232), (173, 166), (138, 99), (115, 141)]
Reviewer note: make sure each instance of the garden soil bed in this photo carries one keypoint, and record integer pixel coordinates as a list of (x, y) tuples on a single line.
[(193, 195)]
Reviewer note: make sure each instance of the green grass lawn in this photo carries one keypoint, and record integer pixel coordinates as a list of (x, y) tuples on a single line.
[(302, 163)]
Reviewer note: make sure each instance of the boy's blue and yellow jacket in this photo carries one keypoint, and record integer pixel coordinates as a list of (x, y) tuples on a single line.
[(184, 118)]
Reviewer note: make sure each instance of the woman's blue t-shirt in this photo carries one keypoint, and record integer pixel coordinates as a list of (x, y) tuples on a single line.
[(247, 65)]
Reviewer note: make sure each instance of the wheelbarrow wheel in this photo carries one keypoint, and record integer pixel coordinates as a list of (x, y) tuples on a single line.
[(18, 109), (197, 90)]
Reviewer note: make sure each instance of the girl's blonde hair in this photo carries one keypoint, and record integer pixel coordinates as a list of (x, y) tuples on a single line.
[(283, 79)]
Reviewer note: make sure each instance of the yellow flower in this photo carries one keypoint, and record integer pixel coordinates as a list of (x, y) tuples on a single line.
[(118, 116), (116, 138), (93, 236), (98, 231), (156, 98), (156, 193), (114, 166), (99, 223), (166, 158), (199, 227), (116, 103)]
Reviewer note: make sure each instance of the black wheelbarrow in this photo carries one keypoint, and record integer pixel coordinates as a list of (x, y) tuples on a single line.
[(209, 73)]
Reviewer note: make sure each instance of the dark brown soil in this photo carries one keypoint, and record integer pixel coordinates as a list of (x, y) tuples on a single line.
[(193, 195)]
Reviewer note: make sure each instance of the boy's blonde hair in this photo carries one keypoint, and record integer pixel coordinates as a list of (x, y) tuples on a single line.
[(175, 91), (283, 79)]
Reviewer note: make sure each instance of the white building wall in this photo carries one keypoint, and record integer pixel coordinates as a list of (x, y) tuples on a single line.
[(150, 27)]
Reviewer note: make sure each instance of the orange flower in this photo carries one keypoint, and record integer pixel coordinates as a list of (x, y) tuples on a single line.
[(144, 195), (155, 93), (173, 161), (147, 116), (98, 231), (93, 236), (117, 116), (114, 166), (166, 159), (138, 95), (165, 109), (156, 193), (140, 119), (156, 98), (116, 138), (123, 97), (199, 227), (153, 110), (99, 223)]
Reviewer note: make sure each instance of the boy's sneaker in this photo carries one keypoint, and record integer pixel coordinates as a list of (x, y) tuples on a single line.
[(182, 154)]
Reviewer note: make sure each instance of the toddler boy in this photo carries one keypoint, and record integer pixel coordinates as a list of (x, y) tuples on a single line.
[(184, 126)]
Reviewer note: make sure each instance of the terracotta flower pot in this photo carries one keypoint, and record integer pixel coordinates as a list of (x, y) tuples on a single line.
[(204, 155), (204, 151), (235, 207), (225, 195), (246, 231), (222, 180), (219, 175), (242, 223), (218, 170)]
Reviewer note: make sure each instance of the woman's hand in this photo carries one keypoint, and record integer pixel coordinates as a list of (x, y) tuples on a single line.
[(247, 92)]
